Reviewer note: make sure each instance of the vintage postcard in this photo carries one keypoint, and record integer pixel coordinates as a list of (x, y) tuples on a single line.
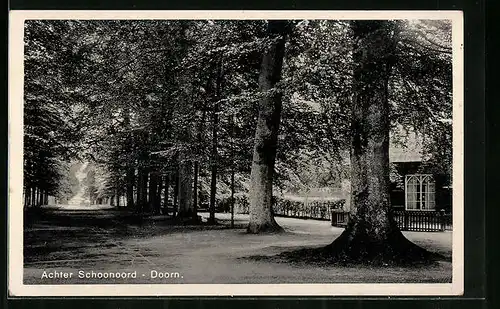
[(214, 153)]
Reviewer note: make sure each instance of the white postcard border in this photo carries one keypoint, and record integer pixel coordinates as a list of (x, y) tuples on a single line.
[(15, 174)]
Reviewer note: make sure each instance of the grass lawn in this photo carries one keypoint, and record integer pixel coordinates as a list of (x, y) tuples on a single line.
[(99, 241)]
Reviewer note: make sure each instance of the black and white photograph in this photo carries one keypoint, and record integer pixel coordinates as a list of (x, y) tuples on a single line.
[(278, 153)]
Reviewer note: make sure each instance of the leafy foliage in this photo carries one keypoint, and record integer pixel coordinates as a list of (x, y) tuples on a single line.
[(141, 95), (50, 103)]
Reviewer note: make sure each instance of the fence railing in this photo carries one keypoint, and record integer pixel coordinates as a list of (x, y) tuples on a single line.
[(319, 210), (340, 218), (413, 220), (422, 221), (419, 221)]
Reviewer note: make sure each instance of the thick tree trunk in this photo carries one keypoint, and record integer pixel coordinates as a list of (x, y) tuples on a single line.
[(26, 197), (142, 190), (372, 235), (232, 198), (195, 188), (139, 197), (201, 130), (157, 206), (33, 196), (129, 187), (185, 190), (167, 191), (38, 195), (213, 192), (152, 191), (30, 196), (130, 170), (39, 198), (231, 137), (176, 192), (266, 135), (117, 199), (214, 154)]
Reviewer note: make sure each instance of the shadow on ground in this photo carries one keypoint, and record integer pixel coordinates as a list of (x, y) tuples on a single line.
[(117, 241)]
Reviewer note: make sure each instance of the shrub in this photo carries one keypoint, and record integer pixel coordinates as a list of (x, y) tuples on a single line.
[(320, 209)]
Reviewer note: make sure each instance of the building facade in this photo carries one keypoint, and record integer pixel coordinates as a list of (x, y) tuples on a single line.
[(415, 185)]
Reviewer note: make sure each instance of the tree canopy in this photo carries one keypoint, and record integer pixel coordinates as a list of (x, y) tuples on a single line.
[(140, 98)]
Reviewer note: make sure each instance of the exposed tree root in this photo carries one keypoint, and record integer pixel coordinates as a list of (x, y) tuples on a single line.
[(268, 227), (349, 249)]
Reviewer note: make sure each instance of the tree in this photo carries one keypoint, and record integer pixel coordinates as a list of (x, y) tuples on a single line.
[(50, 132), (266, 135), (179, 97), (372, 234), (215, 127), (421, 89)]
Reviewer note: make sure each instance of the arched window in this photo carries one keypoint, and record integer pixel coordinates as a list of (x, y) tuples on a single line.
[(420, 192)]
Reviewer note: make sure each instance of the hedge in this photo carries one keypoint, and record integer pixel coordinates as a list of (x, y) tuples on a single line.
[(283, 207)]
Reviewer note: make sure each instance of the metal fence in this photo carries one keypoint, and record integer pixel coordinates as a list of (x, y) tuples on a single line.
[(413, 220), (419, 221), (319, 210), (422, 221), (340, 218)]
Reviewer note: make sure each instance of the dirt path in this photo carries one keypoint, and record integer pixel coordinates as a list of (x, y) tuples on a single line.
[(79, 198), (216, 255)]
